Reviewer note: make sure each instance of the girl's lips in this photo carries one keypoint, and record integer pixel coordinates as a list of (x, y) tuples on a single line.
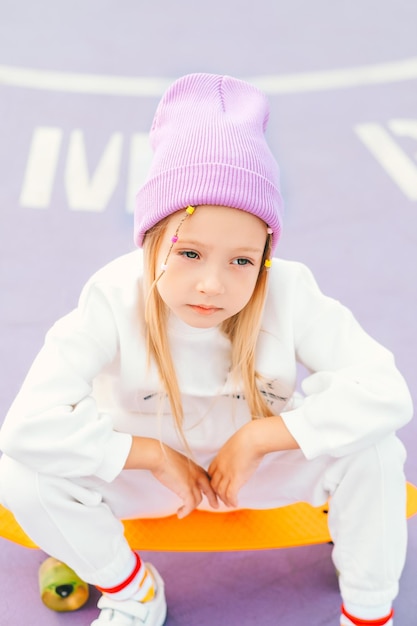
[(203, 309)]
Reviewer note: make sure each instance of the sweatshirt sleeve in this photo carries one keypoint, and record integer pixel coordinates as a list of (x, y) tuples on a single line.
[(54, 425), (354, 394)]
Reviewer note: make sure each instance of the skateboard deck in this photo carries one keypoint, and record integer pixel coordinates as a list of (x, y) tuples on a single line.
[(289, 526)]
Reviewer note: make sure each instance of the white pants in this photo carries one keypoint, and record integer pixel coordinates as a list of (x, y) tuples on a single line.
[(77, 521)]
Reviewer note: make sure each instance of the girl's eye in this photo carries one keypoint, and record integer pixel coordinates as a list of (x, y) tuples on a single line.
[(242, 262), (189, 254)]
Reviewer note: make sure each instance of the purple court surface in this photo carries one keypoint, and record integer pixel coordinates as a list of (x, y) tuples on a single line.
[(79, 82)]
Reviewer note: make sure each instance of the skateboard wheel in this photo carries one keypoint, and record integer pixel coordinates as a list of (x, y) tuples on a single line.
[(60, 588)]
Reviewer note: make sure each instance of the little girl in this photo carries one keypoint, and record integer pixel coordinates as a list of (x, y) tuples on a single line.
[(172, 386)]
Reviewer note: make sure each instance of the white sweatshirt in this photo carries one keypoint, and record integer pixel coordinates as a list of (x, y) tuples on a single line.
[(89, 389)]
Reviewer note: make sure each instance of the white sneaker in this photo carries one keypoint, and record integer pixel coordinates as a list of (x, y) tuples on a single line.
[(132, 612)]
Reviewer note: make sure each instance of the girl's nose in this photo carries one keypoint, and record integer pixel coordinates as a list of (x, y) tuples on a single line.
[(210, 283)]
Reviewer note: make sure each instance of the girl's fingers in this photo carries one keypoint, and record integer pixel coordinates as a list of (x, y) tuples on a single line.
[(210, 493), (231, 496), (222, 491), (190, 503), (195, 496)]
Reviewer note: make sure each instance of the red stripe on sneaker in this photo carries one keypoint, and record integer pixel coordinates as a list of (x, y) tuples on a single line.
[(126, 582), (368, 622)]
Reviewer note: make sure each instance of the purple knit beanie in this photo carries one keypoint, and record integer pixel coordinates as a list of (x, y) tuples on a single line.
[(210, 148)]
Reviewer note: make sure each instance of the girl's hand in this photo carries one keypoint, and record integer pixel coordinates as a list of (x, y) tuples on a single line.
[(185, 478), (234, 464), (240, 456)]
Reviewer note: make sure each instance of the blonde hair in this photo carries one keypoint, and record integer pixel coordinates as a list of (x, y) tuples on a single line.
[(242, 329)]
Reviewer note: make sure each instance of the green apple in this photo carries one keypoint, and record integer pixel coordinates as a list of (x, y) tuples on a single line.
[(60, 587)]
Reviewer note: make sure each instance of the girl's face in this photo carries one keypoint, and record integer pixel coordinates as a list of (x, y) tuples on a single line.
[(213, 267)]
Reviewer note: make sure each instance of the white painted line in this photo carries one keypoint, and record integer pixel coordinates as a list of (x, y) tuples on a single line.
[(41, 168), (91, 192), (82, 83), (339, 79), (395, 162), (140, 158), (343, 78)]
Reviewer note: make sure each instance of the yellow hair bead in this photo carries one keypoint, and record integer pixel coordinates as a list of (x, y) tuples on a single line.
[(190, 210), (268, 263)]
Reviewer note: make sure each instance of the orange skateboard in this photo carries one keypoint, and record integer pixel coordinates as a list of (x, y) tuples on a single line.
[(289, 526)]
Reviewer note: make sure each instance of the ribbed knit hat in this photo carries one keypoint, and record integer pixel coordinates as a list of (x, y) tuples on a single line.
[(208, 137)]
